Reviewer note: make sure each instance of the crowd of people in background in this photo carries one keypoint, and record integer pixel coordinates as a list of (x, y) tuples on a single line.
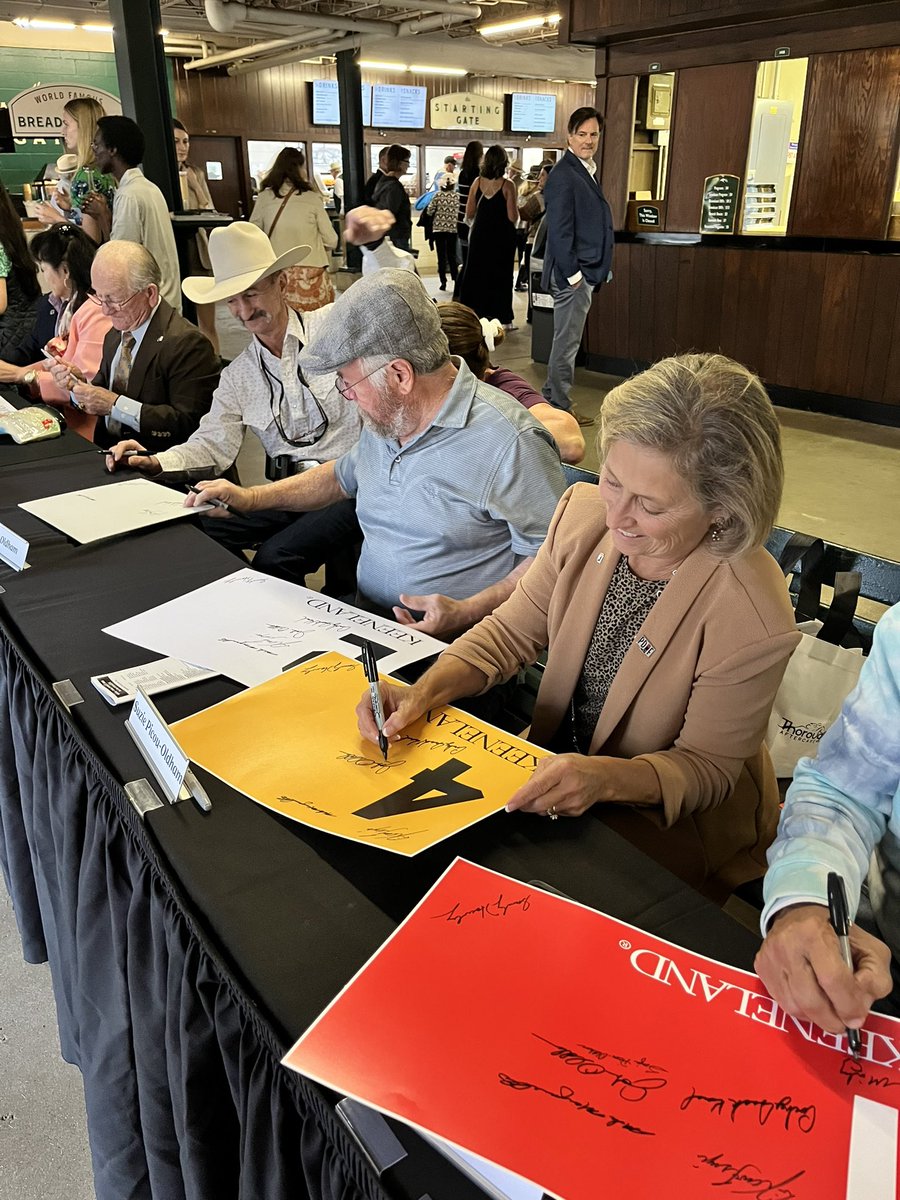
[(427, 480)]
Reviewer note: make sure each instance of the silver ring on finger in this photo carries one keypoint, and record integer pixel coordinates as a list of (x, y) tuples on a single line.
[(552, 813)]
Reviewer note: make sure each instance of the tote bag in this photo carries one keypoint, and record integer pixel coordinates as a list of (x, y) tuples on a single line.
[(821, 673)]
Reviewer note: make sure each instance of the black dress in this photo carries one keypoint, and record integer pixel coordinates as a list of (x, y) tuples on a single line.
[(487, 281)]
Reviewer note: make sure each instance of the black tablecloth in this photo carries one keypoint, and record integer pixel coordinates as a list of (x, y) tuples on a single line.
[(190, 949)]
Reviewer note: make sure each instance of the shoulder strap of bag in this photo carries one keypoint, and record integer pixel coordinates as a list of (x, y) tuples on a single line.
[(803, 555), (280, 211), (838, 622)]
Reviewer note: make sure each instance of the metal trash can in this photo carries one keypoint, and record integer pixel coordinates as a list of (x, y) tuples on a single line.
[(541, 303)]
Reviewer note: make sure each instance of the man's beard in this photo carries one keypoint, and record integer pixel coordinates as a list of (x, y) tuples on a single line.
[(391, 421)]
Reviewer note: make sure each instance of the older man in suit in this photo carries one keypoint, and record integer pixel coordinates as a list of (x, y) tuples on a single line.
[(158, 372), (578, 253)]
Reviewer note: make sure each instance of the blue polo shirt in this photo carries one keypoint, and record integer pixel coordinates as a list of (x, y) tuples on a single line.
[(461, 504)]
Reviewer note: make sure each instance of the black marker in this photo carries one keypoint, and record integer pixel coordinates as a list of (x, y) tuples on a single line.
[(370, 666), (840, 923), (212, 500)]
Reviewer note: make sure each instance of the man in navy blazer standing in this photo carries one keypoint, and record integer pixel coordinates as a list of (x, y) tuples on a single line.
[(579, 250)]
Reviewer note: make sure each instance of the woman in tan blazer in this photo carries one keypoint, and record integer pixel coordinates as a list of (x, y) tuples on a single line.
[(667, 623)]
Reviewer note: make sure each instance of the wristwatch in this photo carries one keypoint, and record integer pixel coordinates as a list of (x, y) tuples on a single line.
[(29, 376)]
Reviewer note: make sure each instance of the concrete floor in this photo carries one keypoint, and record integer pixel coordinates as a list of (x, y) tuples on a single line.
[(842, 481)]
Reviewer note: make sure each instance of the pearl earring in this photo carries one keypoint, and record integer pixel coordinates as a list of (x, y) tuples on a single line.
[(715, 532)]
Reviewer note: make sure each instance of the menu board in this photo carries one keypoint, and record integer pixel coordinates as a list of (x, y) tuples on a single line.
[(326, 106), (398, 106), (720, 203), (532, 112)]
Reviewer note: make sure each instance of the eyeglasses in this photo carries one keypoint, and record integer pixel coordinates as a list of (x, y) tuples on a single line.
[(275, 384), (344, 387), (113, 306)]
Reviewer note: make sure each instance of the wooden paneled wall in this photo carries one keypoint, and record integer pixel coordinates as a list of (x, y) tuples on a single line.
[(602, 21), (827, 323), (710, 135), (848, 145), (275, 103)]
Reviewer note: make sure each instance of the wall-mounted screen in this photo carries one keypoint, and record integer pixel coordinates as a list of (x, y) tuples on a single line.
[(532, 112), (397, 106), (326, 108)]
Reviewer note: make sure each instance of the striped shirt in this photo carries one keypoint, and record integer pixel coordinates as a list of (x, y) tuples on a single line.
[(455, 509)]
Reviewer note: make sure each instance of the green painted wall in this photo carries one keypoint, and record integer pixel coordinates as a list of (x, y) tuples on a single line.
[(21, 69)]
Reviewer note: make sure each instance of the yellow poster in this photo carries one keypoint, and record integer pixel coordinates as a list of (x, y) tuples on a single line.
[(292, 745)]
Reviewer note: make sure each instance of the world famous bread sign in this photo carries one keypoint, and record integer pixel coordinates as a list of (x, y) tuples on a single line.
[(37, 112)]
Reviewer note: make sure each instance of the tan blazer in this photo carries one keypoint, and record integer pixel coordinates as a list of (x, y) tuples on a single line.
[(692, 696)]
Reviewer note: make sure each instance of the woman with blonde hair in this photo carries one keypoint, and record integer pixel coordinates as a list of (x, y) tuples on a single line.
[(79, 121), (291, 212), (667, 626)]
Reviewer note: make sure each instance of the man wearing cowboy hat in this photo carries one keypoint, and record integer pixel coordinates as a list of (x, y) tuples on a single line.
[(455, 483), (300, 422), (157, 372)]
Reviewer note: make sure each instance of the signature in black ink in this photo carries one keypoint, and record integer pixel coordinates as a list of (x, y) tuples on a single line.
[(328, 670), (323, 812), (431, 743), (632, 1090), (387, 835), (622, 1060), (494, 908), (852, 1070), (803, 1117), (567, 1095), (745, 1180), (370, 764)]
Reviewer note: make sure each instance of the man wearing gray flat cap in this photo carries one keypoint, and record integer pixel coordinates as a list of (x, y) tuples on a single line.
[(455, 483), (300, 422)]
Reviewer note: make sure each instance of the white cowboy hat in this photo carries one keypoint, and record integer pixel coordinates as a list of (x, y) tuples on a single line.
[(240, 255)]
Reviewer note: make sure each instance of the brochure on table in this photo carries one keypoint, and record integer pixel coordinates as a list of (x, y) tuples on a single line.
[(252, 627), (593, 1059), (292, 745)]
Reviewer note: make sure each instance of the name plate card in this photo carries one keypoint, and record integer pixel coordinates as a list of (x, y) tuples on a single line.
[(13, 549), (155, 741)]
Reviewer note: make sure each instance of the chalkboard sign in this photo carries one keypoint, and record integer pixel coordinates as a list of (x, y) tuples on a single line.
[(720, 203), (648, 215)]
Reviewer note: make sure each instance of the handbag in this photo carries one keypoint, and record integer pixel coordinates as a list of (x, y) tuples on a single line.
[(822, 671)]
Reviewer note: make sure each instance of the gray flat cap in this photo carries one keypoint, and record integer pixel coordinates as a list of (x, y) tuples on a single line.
[(388, 313)]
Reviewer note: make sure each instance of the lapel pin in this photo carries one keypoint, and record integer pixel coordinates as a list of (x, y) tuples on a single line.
[(600, 556), (646, 647)]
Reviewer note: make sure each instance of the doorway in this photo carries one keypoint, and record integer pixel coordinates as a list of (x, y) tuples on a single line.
[(222, 162)]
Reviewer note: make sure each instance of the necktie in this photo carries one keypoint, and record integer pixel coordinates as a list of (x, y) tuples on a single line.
[(120, 382), (123, 369)]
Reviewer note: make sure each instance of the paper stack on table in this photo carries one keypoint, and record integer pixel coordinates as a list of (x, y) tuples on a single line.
[(91, 514)]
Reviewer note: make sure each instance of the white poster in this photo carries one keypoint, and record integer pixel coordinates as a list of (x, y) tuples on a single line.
[(252, 627), (91, 514)]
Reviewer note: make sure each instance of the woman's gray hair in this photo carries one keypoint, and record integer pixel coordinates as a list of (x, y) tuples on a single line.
[(715, 421)]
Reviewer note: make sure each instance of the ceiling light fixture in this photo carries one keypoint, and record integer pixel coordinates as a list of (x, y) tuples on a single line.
[(41, 23), (97, 28), (551, 20), (417, 68)]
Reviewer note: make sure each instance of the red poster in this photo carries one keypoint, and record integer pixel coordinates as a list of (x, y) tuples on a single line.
[(602, 1063)]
